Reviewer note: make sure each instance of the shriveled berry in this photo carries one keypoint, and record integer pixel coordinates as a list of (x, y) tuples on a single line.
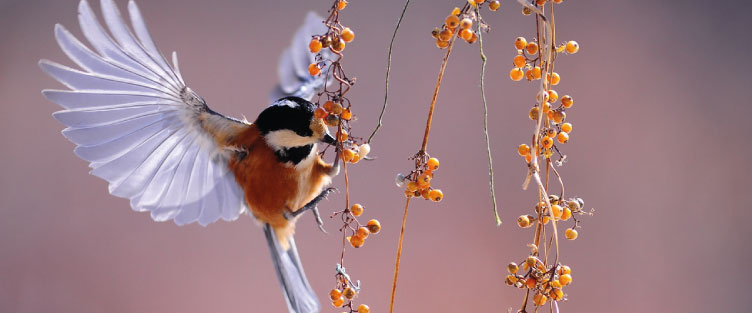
[(524, 221), (338, 45), (331, 120), (534, 113), (336, 108)]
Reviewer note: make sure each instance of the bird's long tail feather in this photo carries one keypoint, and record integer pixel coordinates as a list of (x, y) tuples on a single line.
[(298, 293)]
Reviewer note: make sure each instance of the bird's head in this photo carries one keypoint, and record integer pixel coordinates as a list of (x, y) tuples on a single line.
[(289, 122)]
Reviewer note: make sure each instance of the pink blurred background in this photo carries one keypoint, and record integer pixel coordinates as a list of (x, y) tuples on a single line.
[(659, 149)]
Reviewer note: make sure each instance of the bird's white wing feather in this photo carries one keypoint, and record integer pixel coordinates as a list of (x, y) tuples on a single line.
[(132, 117), (294, 79)]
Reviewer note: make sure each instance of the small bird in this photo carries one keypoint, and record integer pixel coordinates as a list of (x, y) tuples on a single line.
[(159, 145)]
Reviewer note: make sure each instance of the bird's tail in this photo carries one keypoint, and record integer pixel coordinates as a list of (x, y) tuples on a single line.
[(298, 294)]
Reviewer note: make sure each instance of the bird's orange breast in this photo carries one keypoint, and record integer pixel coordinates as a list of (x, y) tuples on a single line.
[(271, 188)]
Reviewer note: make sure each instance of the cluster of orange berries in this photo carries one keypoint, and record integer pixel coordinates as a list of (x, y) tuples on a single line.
[(524, 59), (560, 211), (359, 234), (460, 22), (419, 181), (340, 295), (547, 282), (335, 39)]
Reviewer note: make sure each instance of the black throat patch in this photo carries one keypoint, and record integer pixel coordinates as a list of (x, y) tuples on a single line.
[(294, 154)]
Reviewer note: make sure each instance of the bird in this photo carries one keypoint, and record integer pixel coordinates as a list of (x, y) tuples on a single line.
[(158, 144)]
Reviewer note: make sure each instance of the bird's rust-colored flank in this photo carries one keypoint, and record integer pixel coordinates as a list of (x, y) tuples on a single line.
[(272, 188)]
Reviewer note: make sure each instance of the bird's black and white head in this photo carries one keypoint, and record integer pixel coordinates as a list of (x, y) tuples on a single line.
[(290, 129)]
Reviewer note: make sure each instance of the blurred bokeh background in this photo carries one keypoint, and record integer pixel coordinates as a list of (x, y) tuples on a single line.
[(659, 149)]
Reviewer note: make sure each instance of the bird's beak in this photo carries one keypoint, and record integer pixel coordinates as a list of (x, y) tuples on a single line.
[(328, 139)]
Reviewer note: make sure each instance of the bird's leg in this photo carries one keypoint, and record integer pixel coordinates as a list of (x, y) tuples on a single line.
[(334, 171), (312, 206)]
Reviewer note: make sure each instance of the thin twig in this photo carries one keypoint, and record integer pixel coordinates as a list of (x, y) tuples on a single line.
[(485, 118), (388, 70), (399, 256), (436, 93)]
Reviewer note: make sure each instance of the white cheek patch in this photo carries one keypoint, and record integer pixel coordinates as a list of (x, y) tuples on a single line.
[(285, 138)]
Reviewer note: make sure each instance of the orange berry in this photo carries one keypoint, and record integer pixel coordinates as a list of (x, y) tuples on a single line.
[(435, 195), (565, 279), (546, 107), (559, 116), (556, 211), (528, 158), (516, 74), (364, 309), (512, 268), (566, 127), (526, 11), (553, 96), (456, 11), (357, 241), (374, 226), (409, 193), (567, 101), (543, 95), (445, 35), (452, 21), (466, 34), (533, 114), (558, 1), (529, 74), (335, 294), (532, 48), (346, 114), (540, 299), (338, 303), (424, 180), (435, 32), (520, 43), (329, 106), (472, 39), (523, 149), (530, 282), (554, 78), (510, 280), (524, 221), (347, 34), (315, 45), (314, 69), (338, 45), (573, 47), (545, 220), (433, 164), (566, 214), (348, 293), (441, 44), (564, 270), (357, 209), (547, 142), (571, 234), (336, 108), (363, 232), (348, 155), (412, 186), (519, 61), (494, 5), (541, 2), (536, 73), (343, 136), (320, 113), (466, 23), (562, 137), (556, 294), (341, 4)]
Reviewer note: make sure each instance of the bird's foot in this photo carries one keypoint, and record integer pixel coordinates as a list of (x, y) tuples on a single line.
[(312, 206)]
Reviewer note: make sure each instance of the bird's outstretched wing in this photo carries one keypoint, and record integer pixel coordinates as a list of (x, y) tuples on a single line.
[(132, 117), (294, 79)]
